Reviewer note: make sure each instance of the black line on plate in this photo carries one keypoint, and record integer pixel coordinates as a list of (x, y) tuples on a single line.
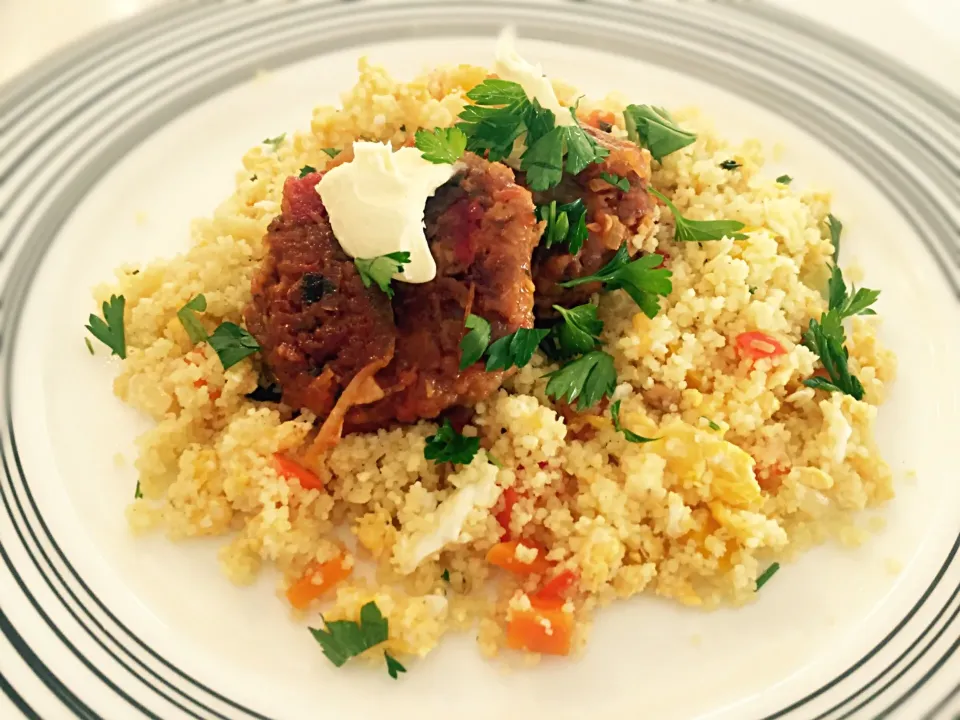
[(942, 705), (22, 705)]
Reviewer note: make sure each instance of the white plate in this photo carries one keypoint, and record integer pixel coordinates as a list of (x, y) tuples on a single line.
[(153, 118)]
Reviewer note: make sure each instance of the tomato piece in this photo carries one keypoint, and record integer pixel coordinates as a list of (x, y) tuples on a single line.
[(292, 470), (318, 578), (599, 118), (755, 345), (557, 588), (542, 630), (504, 555)]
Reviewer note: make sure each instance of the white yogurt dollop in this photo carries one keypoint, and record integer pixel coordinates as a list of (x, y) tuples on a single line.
[(376, 204), (510, 66)]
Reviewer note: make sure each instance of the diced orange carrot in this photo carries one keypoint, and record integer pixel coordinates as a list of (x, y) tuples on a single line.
[(554, 592), (292, 470), (597, 117), (504, 555), (541, 629), (318, 578), (510, 498)]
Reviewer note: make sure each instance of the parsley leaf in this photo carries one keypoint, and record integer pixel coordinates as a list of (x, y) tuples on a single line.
[(89, 346), (332, 152), (630, 436), (109, 330), (826, 338), (847, 304), (836, 227), (767, 574), (344, 639), (580, 330), (381, 269), (494, 91), (475, 342), (621, 183), (586, 380), (313, 286), (393, 665), (784, 179), (641, 279), (711, 424), (447, 445), (276, 141), (136, 492), (188, 318), (306, 170), (543, 161), (700, 230), (445, 575), (655, 129), (581, 149), (232, 344), (730, 165), (565, 224), (515, 349), (490, 130), (442, 146)]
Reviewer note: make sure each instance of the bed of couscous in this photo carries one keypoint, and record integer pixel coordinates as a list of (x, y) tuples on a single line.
[(718, 463)]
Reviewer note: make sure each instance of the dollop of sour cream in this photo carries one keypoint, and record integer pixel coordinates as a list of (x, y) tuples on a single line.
[(510, 66), (376, 204)]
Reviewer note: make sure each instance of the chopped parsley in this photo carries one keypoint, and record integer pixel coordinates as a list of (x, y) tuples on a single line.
[(306, 170), (332, 152), (109, 329), (275, 142), (232, 344), (188, 318), (566, 223), (89, 345), (447, 445), (767, 574), (580, 330), (730, 165), (393, 665), (711, 424), (381, 269), (784, 179), (475, 342), (848, 303), (445, 576), (630, 436), (344, 639), (836, 227), (655, 129), (621, 183), (442, 146), (136, 492), (313, 286), (641, 279), (700, 230), (587, 380), (515, 349), (502, 113)]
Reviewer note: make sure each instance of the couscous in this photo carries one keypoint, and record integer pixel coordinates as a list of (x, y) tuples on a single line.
[(680, 436)]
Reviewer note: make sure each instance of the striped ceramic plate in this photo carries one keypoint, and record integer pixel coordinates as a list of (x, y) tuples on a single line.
[(149, 119)]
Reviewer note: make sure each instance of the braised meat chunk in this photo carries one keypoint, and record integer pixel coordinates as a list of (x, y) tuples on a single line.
[(613, 217), (316, 322), (482, 230)]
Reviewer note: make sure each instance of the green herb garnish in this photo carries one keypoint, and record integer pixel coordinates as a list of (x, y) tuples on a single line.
[(641, 279), (188, 318), (89, 345), (447, 445), (344, 639), (306, 170), (475, 342), (515, 349), (332, 152), (313, 286), (587, 380), (381, 269), (393, 665), (836, 227), (443, 146), (232, 344), (730, 165), (849, 303), (109, 330), (493, 461), (784, 179), (700, 230), (566, 223), (445, 576), (136, 492), (655, 129), (621, 183), (711, 424), (275, 142), (580, 330), (767, 574), (630, 436)]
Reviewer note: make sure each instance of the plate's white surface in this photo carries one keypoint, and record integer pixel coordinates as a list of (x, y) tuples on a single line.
[(646, 658)]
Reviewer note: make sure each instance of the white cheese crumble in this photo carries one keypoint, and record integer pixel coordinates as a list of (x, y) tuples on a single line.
[(376, 205), (510, 66)]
